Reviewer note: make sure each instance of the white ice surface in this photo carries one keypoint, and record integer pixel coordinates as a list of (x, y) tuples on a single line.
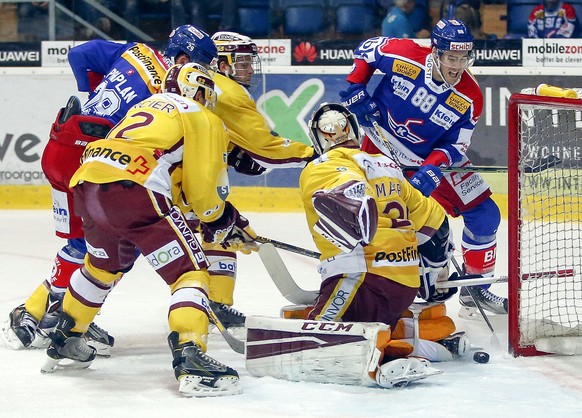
[(137, 380)]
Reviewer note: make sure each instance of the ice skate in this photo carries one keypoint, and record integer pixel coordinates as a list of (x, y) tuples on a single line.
[(489, 301), (99, 339), (199, 374), (18, 331), (230, 317), (67, 349), (458, 344), (400, 372)]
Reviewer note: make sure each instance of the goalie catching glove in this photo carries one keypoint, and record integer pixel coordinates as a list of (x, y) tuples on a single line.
[(231, 231), (347, 216)]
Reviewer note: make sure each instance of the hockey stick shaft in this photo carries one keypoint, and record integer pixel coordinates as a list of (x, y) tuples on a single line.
[(237, 345), (477, 304), (503, 279), (288, 247), (537, 166)]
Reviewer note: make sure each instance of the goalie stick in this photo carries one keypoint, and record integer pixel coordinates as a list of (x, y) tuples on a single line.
[(291, 291), (283, 280)]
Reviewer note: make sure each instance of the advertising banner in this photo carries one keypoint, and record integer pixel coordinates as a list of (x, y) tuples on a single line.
[(20, 54), (552, 52), (29, 103)]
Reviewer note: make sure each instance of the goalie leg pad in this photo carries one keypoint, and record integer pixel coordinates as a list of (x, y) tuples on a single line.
[(429, 329), (309, 350), (347, 215)]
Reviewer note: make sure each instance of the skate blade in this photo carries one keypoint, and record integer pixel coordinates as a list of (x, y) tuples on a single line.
[(51, 365), (191, 386), (103, 350), (9, 338)]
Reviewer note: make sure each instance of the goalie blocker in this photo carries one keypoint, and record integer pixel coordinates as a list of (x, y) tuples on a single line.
[(330, 352)]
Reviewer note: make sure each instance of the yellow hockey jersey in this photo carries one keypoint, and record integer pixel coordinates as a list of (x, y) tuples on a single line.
[(168, 144), (249, 130), (402, 210)]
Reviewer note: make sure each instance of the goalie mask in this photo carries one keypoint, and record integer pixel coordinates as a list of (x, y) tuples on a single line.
[(187, 80), (241, 54), (452, 45), (331, 125)]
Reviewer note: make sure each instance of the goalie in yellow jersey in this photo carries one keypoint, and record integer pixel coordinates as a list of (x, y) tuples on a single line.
[(129, 190), (253, 148), (373, 230)]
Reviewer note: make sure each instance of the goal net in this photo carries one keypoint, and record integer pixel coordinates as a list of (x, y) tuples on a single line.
[(545, 234)]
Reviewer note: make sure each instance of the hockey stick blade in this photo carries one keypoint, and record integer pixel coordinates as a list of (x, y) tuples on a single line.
[(288, 247), (494, 340), (237, 345), (282, 278)]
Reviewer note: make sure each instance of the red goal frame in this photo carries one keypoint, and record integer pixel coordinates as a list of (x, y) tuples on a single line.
[(515, 276)]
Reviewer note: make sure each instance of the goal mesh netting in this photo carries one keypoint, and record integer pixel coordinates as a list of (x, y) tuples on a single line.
[(545, 238)]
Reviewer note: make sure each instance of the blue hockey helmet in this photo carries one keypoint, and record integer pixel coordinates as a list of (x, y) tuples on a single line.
[(451, 35), (193, 42)]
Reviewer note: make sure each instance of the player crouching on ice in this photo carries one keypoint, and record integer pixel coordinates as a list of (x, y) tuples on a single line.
[(369, 224)]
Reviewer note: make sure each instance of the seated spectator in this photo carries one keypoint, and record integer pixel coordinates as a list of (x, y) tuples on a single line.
[(95, 18), (399, 24), (197, 12), (553, 19), (467, 14)]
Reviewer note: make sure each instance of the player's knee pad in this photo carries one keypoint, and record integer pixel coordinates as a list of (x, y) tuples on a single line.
[(313, 357), (100, 275), (482, 220)]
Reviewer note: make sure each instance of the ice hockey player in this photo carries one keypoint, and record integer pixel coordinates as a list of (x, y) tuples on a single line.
[(116, 76), (426, 106), (366, 220), (254, 148), (129, 190)]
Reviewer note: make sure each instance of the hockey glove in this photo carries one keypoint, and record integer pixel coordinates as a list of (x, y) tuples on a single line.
[(243, 163), (426, 179), (359, 102), (231, 231)]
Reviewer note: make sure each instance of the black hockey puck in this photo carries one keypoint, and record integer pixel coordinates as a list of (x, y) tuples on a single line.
[(481, 357)]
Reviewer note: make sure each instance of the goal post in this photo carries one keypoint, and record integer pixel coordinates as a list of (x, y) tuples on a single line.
[(545, 231)]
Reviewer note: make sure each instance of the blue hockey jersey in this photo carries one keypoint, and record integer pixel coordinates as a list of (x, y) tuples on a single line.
[(420, 116), (131, 72)]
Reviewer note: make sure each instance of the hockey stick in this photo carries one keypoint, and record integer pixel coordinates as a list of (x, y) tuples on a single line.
[(494, 339), (280, 275), (237, 345), (537, 166), (288, 247), (475, 280)]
